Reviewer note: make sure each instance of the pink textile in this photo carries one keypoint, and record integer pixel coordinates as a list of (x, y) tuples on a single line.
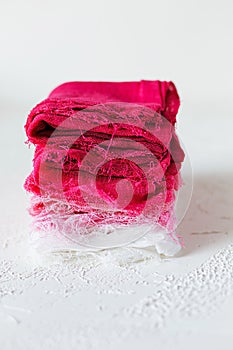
[(75, 121)]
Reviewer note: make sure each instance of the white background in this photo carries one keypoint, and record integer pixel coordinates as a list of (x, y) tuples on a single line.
[(45, 43)]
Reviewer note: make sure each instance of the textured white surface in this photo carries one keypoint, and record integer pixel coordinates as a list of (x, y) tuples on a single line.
[(96, 303), (101, 302)]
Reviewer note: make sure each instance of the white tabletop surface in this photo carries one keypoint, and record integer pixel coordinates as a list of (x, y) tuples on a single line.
[(99, 303)]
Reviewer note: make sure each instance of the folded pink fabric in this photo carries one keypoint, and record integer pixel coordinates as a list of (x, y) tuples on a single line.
[(89, 136)]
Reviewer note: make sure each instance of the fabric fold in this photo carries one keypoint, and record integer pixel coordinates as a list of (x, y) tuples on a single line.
[(105, 153)]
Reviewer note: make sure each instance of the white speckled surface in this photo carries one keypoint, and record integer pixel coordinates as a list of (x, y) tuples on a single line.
[(99, 303), (185, 303)]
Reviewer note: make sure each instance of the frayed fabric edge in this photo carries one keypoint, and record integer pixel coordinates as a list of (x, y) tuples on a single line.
[(55, 246)]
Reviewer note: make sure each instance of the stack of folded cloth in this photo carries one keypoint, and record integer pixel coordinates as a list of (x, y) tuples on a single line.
[(106, 165)]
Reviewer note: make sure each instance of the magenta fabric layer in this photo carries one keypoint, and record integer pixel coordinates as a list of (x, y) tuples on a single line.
[(146, 115)]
